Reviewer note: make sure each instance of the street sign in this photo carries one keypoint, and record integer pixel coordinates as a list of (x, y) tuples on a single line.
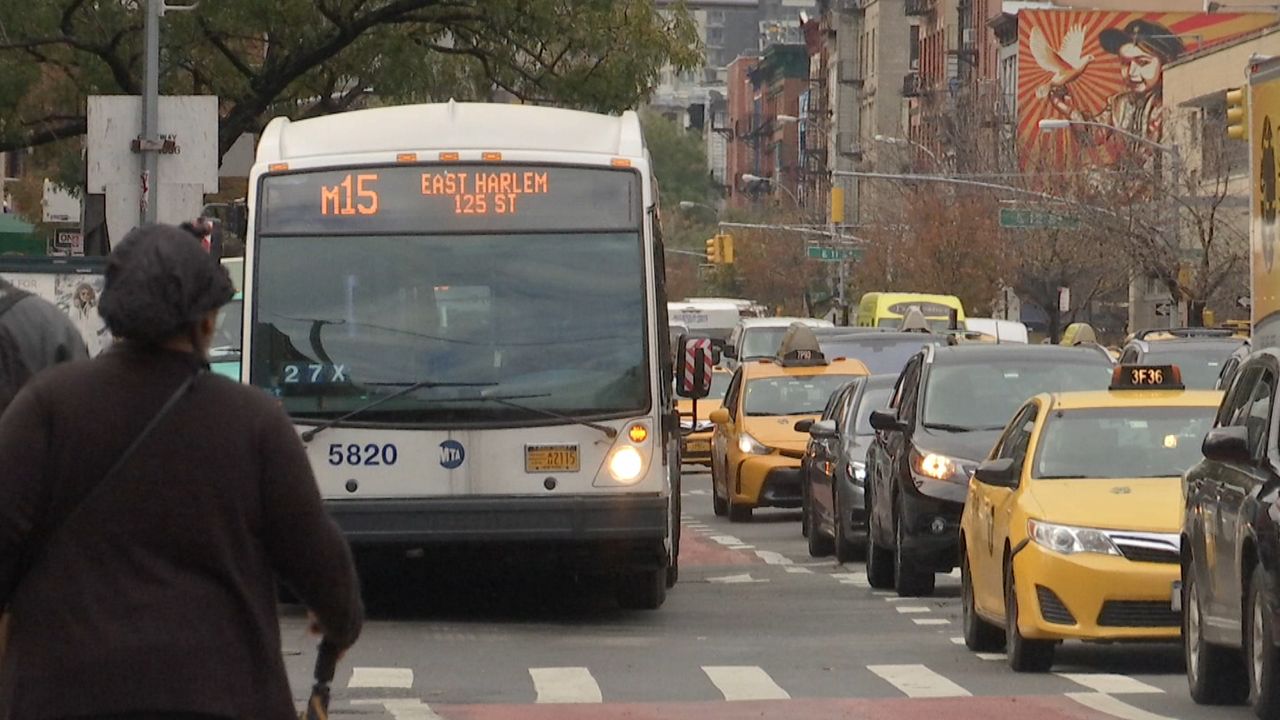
[(1163, 309), (832, 254), (1026, 219)]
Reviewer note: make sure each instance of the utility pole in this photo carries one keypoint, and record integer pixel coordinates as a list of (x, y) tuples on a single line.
[(149, 143)]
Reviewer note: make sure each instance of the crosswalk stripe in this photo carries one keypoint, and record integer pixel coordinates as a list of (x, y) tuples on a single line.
[(992, 656), (1114, 707), (773, 558), (565, 685), (931, 621), (918, 681), (911, 609), (1110, 683), (797, 570), (375, 677), (403, 709), (744, 682)]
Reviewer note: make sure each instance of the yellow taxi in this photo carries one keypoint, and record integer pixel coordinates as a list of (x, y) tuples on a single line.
[(695, 445), (756, 448), (1071, 527)]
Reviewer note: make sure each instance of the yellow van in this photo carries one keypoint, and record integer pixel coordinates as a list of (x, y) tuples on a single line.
[(885, 309)]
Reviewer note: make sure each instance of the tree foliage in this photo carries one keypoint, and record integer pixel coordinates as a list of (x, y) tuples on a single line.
[(679, 160), (307, 57)]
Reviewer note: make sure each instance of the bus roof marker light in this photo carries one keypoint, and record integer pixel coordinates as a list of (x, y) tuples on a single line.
[(407, 157), (277, 167), (449, 157), (491, 156), (620, 162)]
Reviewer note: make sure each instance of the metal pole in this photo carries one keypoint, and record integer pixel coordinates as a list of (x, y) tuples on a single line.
[(150, 139)]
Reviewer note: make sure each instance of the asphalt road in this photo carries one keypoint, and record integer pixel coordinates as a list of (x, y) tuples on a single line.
[(755, 629)]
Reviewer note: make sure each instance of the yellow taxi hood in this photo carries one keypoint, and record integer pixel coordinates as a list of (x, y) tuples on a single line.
[(778, 431), (706, 406), (1148, 504)]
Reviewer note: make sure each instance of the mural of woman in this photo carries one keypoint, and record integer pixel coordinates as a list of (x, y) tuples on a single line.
[(85, 315)]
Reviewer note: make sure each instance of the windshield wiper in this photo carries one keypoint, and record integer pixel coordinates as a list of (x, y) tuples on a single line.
[(419, 385), (508, 400), (948, 427)]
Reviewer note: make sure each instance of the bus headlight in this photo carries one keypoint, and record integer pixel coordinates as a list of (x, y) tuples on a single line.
[(625, 465)]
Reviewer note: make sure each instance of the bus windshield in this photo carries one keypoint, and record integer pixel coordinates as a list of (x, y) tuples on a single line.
[(538, 321)]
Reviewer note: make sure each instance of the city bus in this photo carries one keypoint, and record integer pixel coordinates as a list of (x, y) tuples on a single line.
[(462, 308)]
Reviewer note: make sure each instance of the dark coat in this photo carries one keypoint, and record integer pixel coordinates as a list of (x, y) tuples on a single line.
[(162, 595)]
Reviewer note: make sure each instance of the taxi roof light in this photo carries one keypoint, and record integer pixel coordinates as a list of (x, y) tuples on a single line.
[(1146, 377), (800, 348)]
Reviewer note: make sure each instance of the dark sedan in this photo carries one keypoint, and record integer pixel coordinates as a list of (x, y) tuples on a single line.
[(836, 470), (884, 353)]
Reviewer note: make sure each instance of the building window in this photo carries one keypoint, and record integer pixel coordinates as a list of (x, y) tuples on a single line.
[(715, 37), (914, 43)]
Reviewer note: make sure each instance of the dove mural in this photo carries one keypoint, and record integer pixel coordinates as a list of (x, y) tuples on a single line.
[(1105, 67)]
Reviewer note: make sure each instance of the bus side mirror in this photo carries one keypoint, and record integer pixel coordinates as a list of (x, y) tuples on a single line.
[(693, 367)]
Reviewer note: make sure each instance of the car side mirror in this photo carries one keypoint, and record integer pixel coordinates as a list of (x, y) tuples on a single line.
[(803, 426), (1227, 444), (693, 367), (719, 416), (730, 352), (886, 420), (823, 429), (997, 473)]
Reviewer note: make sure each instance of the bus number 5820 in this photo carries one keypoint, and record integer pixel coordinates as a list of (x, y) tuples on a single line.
[(357, 454)]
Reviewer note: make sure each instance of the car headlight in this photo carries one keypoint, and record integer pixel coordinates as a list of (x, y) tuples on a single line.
[(1070, 540), (935, 466), (857, 472), (751, 446), (625, 465)]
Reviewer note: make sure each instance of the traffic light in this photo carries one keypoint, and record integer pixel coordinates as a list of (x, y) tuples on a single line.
[(713, 250), (726, 248), (1237, 114)]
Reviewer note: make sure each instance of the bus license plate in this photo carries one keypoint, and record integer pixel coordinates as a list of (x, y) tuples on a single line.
[(551, 458)]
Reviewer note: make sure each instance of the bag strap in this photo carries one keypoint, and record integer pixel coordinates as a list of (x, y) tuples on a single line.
[(97, 490)]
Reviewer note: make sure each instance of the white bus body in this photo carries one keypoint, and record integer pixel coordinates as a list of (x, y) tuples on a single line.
[(714, 319), (511, 253)]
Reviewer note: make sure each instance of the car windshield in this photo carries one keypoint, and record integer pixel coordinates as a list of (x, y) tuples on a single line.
[(1200, 366), (761, 342), (1129, 442), (872, 399), (882, 356), (792, 394), (342, 320), (983, 396), (938, 325)]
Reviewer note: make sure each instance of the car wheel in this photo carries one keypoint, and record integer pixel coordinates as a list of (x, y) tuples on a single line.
[(737, 513), (847, 551), (1260, 649), (718, 504), (909, 579), (819, 545), (804, 508), (979, 635), (1214, 675), (643, 589), (879, 559), (1025, 656)]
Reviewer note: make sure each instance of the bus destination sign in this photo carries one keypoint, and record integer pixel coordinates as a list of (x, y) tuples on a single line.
[(449, 199)]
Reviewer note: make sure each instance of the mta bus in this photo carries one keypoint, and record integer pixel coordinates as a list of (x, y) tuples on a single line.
[(462, 308)]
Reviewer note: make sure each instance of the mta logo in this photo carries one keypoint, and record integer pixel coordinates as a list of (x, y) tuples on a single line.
[(452, 454)]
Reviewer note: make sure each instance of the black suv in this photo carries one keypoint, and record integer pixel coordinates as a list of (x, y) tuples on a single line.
[(1231, 548), (946, 411), (1199, 353)]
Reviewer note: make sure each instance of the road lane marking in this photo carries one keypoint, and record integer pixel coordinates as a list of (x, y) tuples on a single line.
[(565, 685), (957, 641), (726, 540), (773, 558), (744, 682), (737, 579), (992, 656), (797, 570), (374, 677), (955, 573), (918, 681), (911, 609), (1111, 684), (858, 579), (740, 547), (931, 621), (1114, 707), (403, 708)]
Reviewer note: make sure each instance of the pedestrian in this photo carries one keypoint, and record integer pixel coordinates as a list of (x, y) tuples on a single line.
[(147, 509), (41, 334)]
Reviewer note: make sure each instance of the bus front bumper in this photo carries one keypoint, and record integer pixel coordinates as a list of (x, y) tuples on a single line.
[(502, 519)]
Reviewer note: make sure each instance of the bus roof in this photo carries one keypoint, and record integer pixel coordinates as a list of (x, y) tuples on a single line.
[(452, 126)]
